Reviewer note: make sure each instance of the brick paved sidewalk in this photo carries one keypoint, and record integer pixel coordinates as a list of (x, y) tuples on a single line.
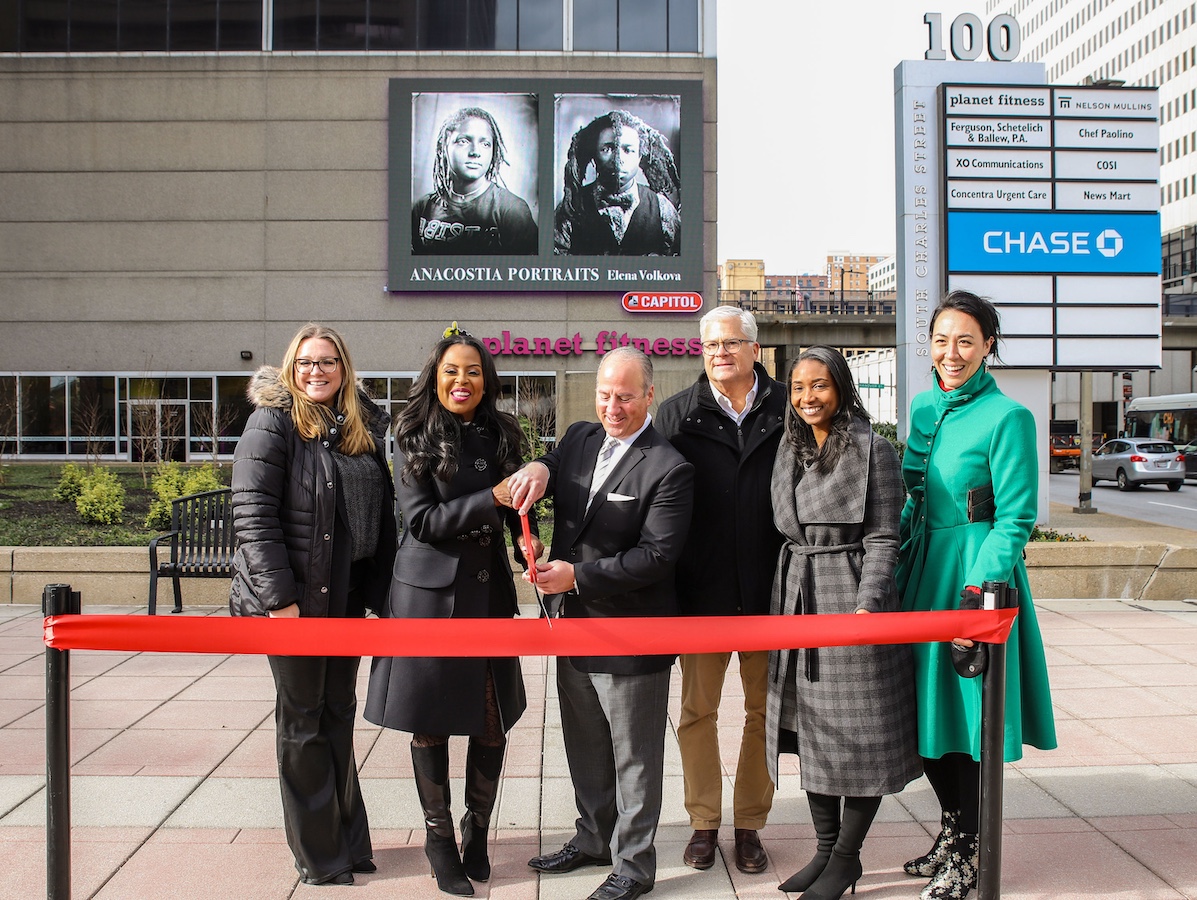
[(174, 791)]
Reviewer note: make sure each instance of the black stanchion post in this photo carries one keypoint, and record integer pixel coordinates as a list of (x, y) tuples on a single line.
[(58, 600), (997, 595)]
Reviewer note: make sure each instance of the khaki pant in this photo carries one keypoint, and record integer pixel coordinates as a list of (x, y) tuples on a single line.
[(698, 737)]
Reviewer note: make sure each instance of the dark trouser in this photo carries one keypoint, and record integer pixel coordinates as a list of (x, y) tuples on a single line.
[(956, 780), (323, 810)]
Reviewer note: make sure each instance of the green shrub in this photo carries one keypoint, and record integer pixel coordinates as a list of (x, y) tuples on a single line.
[(1050, 534), (889, 431), (102, 498), (70, 484), (171, 481)]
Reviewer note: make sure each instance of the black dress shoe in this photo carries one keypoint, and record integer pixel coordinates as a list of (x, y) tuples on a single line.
[(619, 887), (341, 878), (365, 866), (566, 859)]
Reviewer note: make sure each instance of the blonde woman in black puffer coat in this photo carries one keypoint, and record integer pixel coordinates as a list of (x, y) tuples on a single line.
[(314, 521)]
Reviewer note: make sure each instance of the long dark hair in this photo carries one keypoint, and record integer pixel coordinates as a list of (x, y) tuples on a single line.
[(801, 436), (980, 308), (656, 159), (430, 436)]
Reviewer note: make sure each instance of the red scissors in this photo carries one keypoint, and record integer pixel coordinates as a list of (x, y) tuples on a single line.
[(527, 529)]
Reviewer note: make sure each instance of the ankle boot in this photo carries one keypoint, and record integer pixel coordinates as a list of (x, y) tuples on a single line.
[(844, 869), (431, 766), (825, 814), (928, 864), (958, 875), (483, 767)]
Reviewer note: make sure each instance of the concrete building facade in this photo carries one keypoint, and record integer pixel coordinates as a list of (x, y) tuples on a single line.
[(170, 219)]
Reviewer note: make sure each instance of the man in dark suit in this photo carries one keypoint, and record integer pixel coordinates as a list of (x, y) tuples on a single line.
[(622, 499)]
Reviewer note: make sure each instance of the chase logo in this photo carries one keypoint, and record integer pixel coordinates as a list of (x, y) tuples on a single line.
[(1109, 243), (1053, 242)]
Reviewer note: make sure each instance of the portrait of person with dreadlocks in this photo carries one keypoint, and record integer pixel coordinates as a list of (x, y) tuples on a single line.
[(470, 210), (617, 213)]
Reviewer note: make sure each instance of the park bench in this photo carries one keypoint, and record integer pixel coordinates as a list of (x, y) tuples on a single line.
[(201, 542)]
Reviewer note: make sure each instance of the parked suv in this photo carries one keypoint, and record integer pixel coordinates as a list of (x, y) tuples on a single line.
[(1135, 461)]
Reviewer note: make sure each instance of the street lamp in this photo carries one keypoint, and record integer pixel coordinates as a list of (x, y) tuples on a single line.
[(844, 272)]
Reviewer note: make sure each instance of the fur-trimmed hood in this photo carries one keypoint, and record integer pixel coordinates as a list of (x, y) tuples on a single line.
[(267, 390)]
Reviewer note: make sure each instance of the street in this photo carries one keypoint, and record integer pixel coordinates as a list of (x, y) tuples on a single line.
[(1150, 503)]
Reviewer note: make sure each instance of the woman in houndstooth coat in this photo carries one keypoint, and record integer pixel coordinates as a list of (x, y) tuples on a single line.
[(848, 712)]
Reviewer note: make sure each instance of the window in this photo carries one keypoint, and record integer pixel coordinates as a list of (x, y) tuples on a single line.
[(43, 414), (33, 26), (92, 415), (636, 25)]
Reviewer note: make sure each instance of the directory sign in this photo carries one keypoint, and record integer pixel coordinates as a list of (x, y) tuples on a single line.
[(1050, 192)]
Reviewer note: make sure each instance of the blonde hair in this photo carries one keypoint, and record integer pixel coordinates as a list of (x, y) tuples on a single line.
[(313, 419)]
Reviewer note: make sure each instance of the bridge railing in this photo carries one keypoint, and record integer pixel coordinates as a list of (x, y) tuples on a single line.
[(814, 303)]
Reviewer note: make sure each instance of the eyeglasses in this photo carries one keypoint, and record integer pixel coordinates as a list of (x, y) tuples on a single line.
[(731, 345), (328, 364)]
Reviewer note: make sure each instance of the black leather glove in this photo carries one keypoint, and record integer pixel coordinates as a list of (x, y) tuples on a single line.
[(970, 662)]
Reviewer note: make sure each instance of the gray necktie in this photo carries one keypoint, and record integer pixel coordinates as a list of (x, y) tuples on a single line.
[(602, 468)]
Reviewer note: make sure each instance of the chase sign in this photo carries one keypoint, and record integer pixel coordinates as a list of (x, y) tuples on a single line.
[(1052, 243)]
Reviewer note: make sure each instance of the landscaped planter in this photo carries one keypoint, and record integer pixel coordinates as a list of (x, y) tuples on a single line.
[(121, 575)]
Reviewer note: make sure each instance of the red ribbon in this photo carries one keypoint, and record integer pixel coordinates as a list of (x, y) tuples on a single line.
[(516, 637)]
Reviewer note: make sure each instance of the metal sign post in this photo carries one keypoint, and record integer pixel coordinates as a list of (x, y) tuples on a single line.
[(57, 600), (997, 595)]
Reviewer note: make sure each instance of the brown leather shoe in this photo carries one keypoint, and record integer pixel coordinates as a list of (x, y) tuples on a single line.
[(750, 855), (700, 852)]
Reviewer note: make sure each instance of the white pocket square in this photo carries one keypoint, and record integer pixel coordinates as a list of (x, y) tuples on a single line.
[(618, 497)]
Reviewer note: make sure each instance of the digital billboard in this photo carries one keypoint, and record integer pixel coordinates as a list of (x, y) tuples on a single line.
[(535, 185)]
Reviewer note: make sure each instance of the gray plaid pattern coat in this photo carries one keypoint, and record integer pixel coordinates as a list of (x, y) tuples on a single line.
[(852, 708)]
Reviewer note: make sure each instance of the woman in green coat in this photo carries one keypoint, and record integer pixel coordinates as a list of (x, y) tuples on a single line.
[(971, 472)]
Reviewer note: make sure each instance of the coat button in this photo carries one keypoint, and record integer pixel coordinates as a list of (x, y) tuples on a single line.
[(328, 537), (483, 576), (329, 485), (325, 443), (480, 465), (324, 590)]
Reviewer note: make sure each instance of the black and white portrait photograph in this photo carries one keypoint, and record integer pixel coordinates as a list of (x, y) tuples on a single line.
[(617, 191), (474, 174)]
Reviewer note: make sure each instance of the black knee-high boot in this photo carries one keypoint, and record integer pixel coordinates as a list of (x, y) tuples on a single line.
[(483, 766), (825, 814), (431, 766), (844, 868)]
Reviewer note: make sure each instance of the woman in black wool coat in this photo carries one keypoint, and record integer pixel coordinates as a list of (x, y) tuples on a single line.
[(453, 452)]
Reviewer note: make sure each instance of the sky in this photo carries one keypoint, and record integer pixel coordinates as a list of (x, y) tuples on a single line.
[(806, 125)]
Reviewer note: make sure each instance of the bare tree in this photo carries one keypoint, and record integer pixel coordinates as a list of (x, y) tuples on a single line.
[(212, 420), (94, 420), (536, 409), (8, 422)]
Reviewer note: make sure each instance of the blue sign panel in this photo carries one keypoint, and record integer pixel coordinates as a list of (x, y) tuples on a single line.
[(1053, 242)]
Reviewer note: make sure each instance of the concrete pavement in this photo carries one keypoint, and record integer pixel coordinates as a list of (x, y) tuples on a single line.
[(175, 796)]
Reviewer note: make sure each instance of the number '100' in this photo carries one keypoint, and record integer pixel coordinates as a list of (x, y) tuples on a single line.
[(1002, 37)]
